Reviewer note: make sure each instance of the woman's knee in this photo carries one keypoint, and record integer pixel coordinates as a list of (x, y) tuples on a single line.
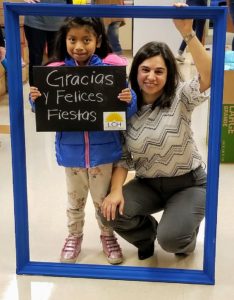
[(175, 241), (167, 242)]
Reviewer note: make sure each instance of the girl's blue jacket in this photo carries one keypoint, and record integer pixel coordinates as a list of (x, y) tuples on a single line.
[(88, 149)]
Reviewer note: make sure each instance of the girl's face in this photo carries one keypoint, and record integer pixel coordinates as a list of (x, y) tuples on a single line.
[(81, 44), (151, 78)]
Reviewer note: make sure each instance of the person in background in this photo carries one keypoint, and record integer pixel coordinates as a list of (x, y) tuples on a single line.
[(40, 33), (88, 157), (198, 27), (160, 148), (112, 26), (2, 46)]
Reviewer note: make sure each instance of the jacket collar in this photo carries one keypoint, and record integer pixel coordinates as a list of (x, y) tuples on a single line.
[(94, 60)]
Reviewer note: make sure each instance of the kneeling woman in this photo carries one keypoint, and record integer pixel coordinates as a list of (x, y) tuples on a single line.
[(159, 146)]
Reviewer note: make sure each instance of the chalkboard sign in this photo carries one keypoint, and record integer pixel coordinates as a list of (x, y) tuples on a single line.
[(80, 98)]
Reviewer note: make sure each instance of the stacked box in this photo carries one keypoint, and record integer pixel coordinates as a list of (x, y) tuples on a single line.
[(21, 18), (2, 81), (227, 143)]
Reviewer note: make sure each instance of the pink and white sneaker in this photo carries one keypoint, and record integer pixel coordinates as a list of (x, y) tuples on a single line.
[(71, 249), (112, 249)]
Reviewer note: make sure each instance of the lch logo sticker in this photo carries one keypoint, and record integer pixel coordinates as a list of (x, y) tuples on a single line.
[(114, 120)]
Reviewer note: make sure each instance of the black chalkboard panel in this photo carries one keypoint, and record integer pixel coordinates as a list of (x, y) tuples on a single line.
[(80, 98)]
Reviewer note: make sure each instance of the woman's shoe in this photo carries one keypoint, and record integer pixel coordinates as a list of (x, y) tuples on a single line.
[(146, 252)]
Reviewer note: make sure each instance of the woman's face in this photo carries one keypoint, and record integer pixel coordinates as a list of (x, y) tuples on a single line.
[(151, 78), (81, 44)]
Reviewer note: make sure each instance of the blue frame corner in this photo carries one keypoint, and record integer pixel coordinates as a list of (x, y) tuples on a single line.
[(24, 265)]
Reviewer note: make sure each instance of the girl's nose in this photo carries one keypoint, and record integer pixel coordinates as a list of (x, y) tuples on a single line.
[(78, 45)]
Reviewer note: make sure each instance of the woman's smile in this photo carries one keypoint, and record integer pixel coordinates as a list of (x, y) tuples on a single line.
[(152, 76)]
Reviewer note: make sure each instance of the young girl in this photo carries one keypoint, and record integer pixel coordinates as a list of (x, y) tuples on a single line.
[(86, 156)]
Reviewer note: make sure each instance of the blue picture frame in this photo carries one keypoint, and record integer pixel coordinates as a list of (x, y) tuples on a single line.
[(23, 264)]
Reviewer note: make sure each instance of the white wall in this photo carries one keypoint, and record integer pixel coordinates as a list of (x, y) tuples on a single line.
[(162, 30), (125, 35)]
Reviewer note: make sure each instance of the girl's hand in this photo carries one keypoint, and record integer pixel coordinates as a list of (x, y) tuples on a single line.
[(2, 53), (34, 92), (125, 95), (184, 26), (111, 203)]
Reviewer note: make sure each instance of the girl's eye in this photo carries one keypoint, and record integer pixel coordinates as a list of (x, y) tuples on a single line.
[(72, 40), (86, 41)]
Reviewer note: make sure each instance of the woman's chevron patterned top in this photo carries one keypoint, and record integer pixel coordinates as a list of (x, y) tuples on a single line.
[(159, 142)]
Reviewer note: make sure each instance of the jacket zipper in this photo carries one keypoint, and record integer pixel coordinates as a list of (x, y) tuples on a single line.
[(87, 160), (86, 138)]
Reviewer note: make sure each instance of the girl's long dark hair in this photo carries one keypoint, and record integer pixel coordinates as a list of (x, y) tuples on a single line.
[(149, 50), (95, 24)]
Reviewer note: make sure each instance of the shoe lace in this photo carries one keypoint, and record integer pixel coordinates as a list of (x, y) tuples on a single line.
[(111, 243), (71, 243)]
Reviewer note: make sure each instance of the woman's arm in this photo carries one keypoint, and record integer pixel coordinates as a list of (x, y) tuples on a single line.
[(202, 61), (115, 200), (201, 57)]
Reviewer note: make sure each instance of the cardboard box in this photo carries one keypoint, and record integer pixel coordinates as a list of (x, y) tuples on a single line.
[(227, 143), (5, 129), (21, 18), (2, 81), (2, 86)]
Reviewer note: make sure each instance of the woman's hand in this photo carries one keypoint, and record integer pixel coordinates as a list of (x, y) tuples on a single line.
[(125, 95), (34, 92), (184, 26), (111, 203), (201, 57)]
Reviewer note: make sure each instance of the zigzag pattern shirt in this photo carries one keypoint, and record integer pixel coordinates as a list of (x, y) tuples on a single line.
[(159, 142)]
